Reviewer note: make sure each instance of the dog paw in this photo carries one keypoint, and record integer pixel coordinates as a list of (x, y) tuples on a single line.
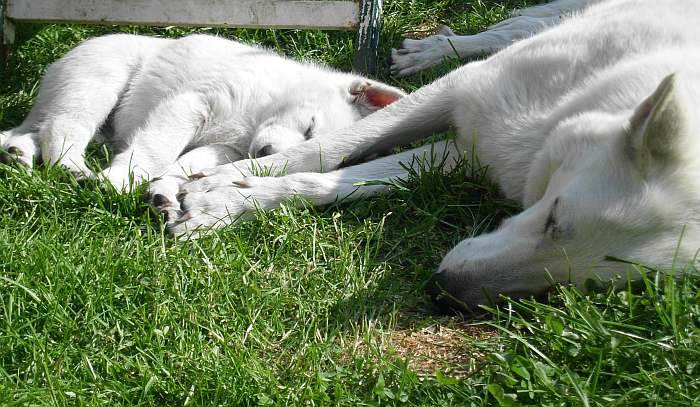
[(417, 55), (162, 195), (12, 155), (227, 202), (204, 211), (22, 149)]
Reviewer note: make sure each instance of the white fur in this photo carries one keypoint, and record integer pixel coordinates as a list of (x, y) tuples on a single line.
[(172, 107), (592, 125), (417, 55)]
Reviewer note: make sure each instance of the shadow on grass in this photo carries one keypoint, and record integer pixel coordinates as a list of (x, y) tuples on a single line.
[(424, 218)]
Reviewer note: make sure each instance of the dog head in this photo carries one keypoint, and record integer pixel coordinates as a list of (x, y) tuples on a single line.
[(320, 109), (626, 186)]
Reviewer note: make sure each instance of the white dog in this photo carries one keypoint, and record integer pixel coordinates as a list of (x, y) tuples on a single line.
[(417, 55), (170, 107), (592, 125)]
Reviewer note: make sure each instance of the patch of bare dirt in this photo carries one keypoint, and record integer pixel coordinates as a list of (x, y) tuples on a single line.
[(447, 346)]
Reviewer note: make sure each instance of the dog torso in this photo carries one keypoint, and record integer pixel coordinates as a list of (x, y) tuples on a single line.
[(244, 85)]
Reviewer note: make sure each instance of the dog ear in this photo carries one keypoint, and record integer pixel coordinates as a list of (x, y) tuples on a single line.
[(371, 96), (660, 128)]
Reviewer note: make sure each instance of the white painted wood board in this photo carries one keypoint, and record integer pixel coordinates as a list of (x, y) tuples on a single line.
[(322, 14)]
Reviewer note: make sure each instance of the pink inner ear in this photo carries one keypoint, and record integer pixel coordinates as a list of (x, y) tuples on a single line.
[(379, 99)]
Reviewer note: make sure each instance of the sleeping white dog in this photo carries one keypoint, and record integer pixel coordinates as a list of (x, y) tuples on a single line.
[(170, 107), (593, 125)]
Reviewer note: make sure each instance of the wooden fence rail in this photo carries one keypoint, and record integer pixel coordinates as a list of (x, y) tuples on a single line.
[(361, 15)]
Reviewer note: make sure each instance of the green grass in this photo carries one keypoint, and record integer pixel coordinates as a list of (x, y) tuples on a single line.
[(302, 306)]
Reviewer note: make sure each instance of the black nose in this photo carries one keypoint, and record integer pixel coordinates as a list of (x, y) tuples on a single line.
[(438, 289), (266, 150)]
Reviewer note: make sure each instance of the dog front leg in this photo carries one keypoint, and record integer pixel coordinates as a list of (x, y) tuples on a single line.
[(169, 129), (229, 202)]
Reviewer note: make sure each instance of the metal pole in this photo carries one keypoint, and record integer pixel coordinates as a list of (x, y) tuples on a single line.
[(365, 59), (3, 51), (7, 34)]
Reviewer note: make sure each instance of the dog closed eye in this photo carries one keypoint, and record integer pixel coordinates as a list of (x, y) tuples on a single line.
[(551, 222), (554, 227), (310, 131)]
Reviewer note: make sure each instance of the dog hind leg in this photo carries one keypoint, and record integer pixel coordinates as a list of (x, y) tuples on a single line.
[(417, 55), (75, 98)]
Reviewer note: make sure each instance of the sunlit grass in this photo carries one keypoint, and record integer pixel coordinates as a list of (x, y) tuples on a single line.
[(302, 305)]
